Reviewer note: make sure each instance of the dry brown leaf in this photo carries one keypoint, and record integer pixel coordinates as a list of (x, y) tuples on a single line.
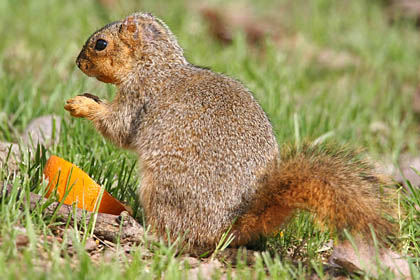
[(21, 240), (365, 258), (224, 23)]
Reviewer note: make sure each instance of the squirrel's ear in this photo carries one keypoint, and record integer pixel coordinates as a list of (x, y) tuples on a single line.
[(152, 30), (129, 30), (132, 30)]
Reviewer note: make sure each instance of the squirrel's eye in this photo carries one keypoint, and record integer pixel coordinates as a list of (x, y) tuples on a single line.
[(100, 45)]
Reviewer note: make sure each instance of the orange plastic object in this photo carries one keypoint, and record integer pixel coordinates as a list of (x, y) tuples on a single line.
[(81, 189)]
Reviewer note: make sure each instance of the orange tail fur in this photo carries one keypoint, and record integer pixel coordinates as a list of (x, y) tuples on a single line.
[(339, 187)]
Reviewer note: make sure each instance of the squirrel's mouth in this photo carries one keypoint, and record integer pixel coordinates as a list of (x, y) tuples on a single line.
[(84, 65), (88, 68), (78, 63), (82, 62)]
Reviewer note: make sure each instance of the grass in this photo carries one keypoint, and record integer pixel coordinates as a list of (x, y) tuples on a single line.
[(300, 80)]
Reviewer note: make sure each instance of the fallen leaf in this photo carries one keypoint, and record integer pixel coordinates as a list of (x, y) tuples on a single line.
[(21, 240), (365, 258), (224, 23)]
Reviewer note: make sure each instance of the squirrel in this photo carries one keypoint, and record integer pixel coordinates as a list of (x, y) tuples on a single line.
[(208, 155)]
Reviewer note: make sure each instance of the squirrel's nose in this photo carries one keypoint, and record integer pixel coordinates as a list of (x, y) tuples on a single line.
[(79, 59)]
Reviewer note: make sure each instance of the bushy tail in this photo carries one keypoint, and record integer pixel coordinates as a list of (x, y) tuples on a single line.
[(335, 184)]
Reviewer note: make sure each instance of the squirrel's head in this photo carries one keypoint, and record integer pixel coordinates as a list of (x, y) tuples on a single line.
[(138, 43)]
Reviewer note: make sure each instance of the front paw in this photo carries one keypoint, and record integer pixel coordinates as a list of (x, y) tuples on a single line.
[(82, 106)]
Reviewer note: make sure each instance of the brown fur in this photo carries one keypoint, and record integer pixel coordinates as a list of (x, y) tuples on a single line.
[(342, 190), (207, 150)]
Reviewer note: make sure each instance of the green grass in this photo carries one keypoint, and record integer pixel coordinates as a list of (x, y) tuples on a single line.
[(305, 95)]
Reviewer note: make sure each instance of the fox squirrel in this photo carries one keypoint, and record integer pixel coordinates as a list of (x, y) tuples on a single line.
[(208, 154)]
